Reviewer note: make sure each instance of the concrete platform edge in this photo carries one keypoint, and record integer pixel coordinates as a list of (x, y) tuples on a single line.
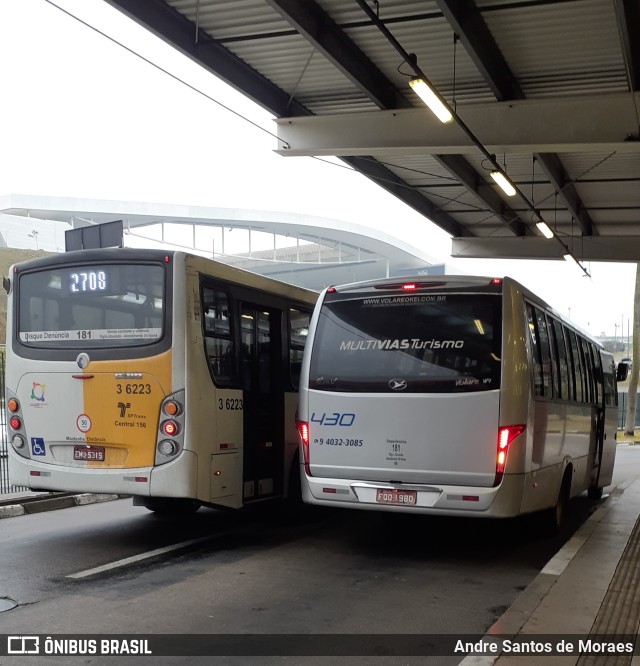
[(39, 505)]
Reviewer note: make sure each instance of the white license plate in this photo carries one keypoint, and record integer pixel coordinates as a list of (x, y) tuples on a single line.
[(395, 496), (89, 453)]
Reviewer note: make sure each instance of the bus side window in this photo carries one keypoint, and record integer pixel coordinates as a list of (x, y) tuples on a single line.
[(218, 336), (535, 351), (588, 370), (561, 351), (545, 353), (597, 374), (298, 331), (553, 350), (577, 367)]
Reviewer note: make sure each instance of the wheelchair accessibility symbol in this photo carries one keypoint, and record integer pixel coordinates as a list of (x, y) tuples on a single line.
[(37, 447)]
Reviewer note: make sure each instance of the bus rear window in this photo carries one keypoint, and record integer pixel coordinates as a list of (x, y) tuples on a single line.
[(112, 305), (430, 344)]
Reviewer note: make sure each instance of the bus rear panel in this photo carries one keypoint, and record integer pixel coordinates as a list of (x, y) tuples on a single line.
[(403, 397), (89, 381)]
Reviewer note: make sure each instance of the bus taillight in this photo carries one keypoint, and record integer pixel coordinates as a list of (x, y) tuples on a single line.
[(171, 408), (506, 435), (13, 405), (15, 422), (303, 430), (169, 428)]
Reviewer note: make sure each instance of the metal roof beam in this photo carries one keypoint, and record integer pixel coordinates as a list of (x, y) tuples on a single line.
[(322, 32), (560, 180), (628, 14), (174, 28), (590, 248), (483, 192), (466, 19), (467, 23), (598, 123)]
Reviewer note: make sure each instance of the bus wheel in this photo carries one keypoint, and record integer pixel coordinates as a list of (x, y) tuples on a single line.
[(594, 493), (293, 505), (555, 518), (170, 505)]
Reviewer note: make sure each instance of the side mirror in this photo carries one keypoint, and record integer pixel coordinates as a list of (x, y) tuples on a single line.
[(622, 372)]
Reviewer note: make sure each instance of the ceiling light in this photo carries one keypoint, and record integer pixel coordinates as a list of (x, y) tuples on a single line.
[(570, 258), (504, 183), (429, 97), (544, 229)]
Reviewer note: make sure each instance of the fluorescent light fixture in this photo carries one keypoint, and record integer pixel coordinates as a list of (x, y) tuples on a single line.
[(570, 258), (426, 94), (479, 326), (544, 229), (504, 183)]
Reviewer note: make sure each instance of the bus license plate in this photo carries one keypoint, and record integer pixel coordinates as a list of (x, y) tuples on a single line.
[(395, 496), (90, 453)]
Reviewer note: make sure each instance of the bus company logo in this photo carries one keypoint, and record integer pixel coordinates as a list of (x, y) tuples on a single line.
[(23, 645), (397, 384), (37, 392), (123, 406)]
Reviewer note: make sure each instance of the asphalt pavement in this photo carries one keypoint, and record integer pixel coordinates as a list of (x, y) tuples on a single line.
[(587, 595)]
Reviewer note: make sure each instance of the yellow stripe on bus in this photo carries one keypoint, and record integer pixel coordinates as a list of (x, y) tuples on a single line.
[(122, 407)]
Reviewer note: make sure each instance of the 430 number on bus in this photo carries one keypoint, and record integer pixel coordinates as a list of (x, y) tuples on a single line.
[(333, 419)]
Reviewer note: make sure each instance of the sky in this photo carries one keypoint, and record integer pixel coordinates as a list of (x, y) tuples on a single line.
[(81, 116)]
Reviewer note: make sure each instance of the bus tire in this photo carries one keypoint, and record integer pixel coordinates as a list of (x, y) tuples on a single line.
[(555, 518), (594, 493), (170, 505), (294, 507)]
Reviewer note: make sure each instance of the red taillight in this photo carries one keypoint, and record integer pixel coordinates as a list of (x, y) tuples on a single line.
[(169, 428), (303, 430), (410, 286), (15, 423), (496, 282), (506, 435)]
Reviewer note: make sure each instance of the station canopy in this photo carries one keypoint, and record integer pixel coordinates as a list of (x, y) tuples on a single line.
[(545, 91)]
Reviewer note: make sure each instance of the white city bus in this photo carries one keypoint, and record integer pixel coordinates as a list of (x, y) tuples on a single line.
[(162, 375), (452, 395)]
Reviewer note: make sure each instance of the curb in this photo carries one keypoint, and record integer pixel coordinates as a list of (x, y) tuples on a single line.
[(54, 503)]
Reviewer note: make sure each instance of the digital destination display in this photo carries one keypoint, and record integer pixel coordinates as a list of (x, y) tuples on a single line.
[(88, 281)]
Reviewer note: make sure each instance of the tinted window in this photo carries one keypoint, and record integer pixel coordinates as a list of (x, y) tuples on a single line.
[(561, 354), (440, 343), (536, 357), (298, 331), (107, 305), (218, 336), (577, 366), (545, 353)]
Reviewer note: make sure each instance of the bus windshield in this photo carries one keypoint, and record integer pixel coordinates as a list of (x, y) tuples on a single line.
[(96, 305), (448, 343)]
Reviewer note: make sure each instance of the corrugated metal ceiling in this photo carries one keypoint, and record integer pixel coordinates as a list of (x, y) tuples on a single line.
[(321, 57)]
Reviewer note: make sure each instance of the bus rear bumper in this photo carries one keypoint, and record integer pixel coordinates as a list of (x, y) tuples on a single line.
[(174, 479), (503, 501)]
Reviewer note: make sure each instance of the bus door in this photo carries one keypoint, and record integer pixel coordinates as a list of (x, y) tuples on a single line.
[(263, 409)]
